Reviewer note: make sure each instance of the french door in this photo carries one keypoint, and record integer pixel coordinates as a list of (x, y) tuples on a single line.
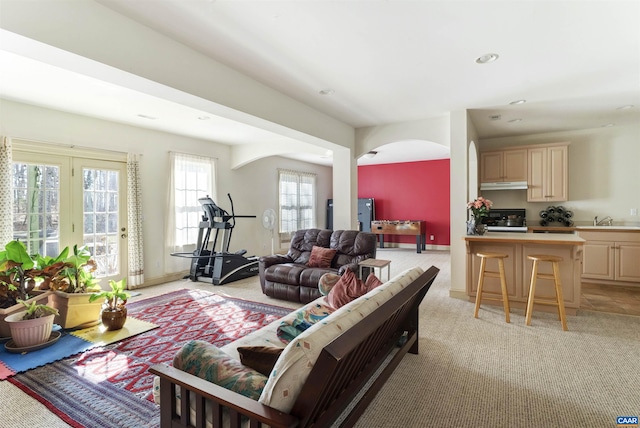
[(64, 201)]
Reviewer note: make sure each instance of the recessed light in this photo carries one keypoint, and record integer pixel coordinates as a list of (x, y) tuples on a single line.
[(627, 107), (144, 116), (515, 120), (487, 58), (327, 92), (204, 117), (608, 125), (495, 117), (516, 102), (370, 154)]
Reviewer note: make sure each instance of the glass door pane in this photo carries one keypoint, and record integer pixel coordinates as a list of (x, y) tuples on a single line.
[(100, 212), (36, 212)]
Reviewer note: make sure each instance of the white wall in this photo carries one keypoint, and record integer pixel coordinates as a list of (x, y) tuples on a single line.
[(604, 174), (253, 187)]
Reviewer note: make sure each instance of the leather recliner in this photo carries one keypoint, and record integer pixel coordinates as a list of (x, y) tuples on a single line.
[(288, 277)]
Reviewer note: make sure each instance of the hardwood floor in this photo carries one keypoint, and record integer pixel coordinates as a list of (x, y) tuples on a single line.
[(611, 298)]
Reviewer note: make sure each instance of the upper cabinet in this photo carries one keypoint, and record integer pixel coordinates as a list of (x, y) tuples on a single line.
[(503, 166), (548, 173)]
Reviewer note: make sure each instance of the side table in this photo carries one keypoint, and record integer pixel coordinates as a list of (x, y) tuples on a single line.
[(376, 263)]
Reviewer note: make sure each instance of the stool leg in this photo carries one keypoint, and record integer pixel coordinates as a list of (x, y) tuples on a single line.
[(559, 297), (503, 285), (532, 291), (480, 284)]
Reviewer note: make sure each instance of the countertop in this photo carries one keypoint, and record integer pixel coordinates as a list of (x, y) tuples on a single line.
[(528, 238), (584, 228)]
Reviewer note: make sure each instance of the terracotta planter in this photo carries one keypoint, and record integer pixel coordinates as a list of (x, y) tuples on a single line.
[(29, 332), (40, 297), (75, 309), (114, 320)]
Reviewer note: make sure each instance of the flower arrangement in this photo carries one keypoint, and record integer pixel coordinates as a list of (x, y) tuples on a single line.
[(479, 207)]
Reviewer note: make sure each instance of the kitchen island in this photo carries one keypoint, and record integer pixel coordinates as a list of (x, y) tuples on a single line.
[(518, 268)]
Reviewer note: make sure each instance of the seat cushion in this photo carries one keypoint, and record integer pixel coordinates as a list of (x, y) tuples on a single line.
[(286, 273)]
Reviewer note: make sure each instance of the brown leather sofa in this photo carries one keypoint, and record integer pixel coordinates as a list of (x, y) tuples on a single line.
[(288, 277)]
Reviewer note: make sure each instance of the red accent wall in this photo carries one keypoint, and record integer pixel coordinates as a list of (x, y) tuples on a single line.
[(410, 191)]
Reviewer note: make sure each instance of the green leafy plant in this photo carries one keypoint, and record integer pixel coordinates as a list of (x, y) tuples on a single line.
[(69, 273), (35, 310), (116, 298), (16, 274)]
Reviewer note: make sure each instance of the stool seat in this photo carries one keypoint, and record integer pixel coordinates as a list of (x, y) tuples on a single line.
[(545, 258), (484, 256), (555, 277)]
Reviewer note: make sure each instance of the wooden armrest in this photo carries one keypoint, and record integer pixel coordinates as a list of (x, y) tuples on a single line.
[(226, 398)]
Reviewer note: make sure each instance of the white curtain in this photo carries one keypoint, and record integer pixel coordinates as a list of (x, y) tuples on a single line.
[(191, 177), (134, 211), (297, 201), (6, 193)]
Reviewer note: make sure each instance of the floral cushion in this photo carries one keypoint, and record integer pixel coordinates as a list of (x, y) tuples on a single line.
[(292, 326), (327, 282), (206, 361)]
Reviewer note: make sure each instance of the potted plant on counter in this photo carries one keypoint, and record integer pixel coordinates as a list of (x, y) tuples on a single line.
[(31, 327), (17, 282), (479, 208), (70, 278), (114, 310)]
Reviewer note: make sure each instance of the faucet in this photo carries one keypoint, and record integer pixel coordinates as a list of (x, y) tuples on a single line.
[(607, 220)]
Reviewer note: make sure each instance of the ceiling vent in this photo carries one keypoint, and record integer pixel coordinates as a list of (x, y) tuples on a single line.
[(495, 117)]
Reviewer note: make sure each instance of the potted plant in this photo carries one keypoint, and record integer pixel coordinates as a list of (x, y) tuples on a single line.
[(114, 310), (70, 278), (17, 282), (33, 326)]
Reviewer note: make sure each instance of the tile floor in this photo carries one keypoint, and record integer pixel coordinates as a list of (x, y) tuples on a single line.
[(610, 298)]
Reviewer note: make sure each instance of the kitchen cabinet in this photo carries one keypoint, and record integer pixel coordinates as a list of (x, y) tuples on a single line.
[(503, 166), (518, 267), (611, 257), (548, 173)]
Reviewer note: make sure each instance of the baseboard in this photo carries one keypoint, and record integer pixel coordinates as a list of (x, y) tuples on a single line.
[(458, 294), (413, 246), (148, 282)]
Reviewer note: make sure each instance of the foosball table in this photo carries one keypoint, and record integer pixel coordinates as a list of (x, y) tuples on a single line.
[(415, 228)]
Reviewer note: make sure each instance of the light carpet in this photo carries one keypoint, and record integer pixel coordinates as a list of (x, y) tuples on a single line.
[(487, 373)]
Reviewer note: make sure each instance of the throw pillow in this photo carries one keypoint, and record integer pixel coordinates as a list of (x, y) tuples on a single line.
[(260, 358), (372, 282), (206, 361), (321, 257), (348, 288), (327, 282), (304, 318)]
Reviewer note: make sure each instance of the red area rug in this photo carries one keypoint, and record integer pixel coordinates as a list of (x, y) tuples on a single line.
[(110, 386)]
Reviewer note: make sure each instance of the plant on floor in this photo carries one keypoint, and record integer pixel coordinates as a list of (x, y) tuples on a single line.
[(16, 274), (69, 273), (114, 310)]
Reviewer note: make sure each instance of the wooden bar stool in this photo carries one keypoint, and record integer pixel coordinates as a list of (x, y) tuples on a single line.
[(492, 274), (555, 277)]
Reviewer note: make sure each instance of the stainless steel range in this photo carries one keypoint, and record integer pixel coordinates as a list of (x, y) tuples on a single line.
[(506, 220)]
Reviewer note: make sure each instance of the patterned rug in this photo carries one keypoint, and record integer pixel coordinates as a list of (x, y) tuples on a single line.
[(110, 386)]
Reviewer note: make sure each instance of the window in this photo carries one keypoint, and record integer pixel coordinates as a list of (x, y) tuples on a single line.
[(297, 201), (192, 177)]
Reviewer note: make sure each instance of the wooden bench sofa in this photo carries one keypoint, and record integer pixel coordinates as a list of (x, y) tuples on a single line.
[(345, 378)]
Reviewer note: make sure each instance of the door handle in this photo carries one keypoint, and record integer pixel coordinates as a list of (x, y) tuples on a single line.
[(124, 235)]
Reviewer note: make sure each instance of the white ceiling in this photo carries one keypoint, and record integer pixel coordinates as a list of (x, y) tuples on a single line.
[(574, 62)]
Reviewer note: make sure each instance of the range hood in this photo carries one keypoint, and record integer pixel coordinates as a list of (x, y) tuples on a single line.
[(504, 185)]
